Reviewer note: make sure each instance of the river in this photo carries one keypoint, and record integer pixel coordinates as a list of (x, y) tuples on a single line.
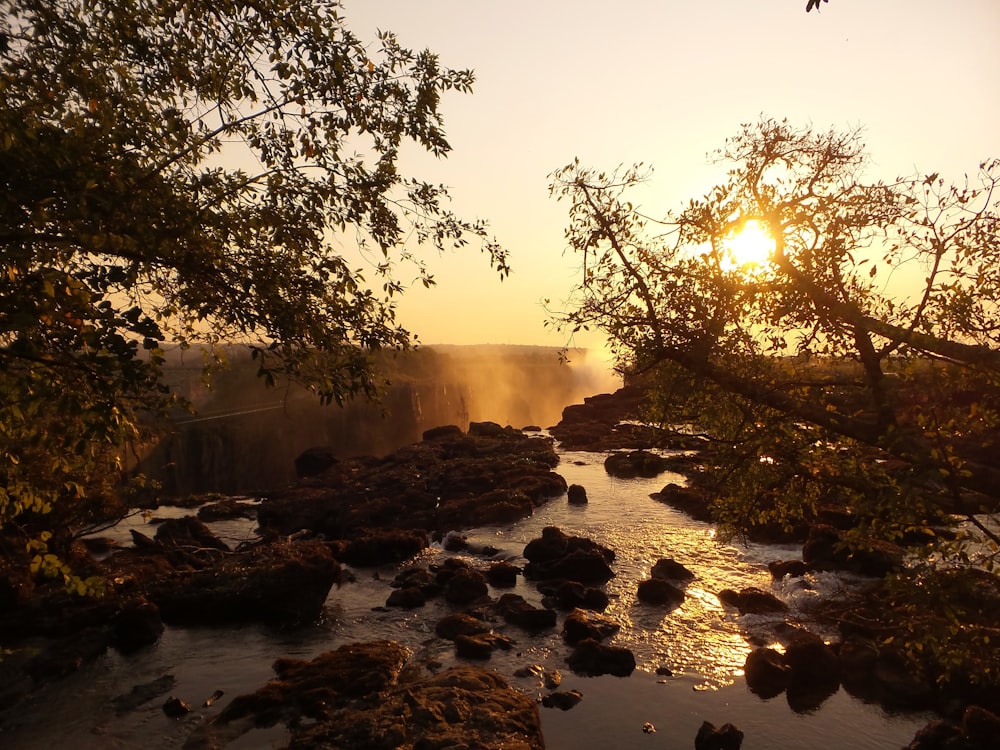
[(702, 644)]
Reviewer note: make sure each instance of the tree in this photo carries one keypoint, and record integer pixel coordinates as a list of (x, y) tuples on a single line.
[(193, 172), (857, 367)]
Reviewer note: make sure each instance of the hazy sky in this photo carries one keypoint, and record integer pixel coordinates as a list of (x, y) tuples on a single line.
[(665, 82)]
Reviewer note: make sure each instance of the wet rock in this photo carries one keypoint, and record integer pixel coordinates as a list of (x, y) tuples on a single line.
[(726, 737), (480, 645), (594, 659), (564, 700), (668, 569), (135, 625), (693, 501), (581, 624), (517, 611), (406, 598), (766, 673), (417, 577), (752, 601), (451, 626), (558, 555), (383, 547), (284, 582), (448, 431), (640, 463), (792, 568), (979, 729), (465, 586), (314, 461), (659, 592), (188, 533), (814, 672), (568, 595), (226, 510), (576, 495), (355, 696), (502, 575), (176, 708), (824, 550)]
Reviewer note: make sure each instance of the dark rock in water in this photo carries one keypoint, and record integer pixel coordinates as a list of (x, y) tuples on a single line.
[(766, 673), (355, 696), (581, 624), (564, 700), (480, 645), (175, 708), (188, 532), (939, 735), (487, 429), (144, 693), (691, 500), (979, 730), (135, 625), (572, 594), (314, 461), (502, 575), (597, 423), (227, 510), (515, 610), (658, 591), (594, 659), (726, 737), (638, 463), (824, 550), (558, 555), (284, 582), (406, 598), (417, 577), (577, 494), (461, 623), (814, 672), (382, 547), (792, 568), (668, 569), (465, 587), (752, 601)]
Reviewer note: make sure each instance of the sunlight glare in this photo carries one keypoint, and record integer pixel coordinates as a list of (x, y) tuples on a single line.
[(750, 248)]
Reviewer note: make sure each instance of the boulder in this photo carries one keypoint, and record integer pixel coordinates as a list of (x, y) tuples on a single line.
[(517, 611), (135, 625), (691, 500), (558, 555), (189, 534), (825, 549), (766, 673), (383, 547), (563, 700), (659, 592), (502, 575), (791, 568), (577, 494), (465, 586), (581, 624), (410, 597), (592, 658), (480, 645), (227, 509), (752, 601), (451, 626), (710, 737), (640, 463), (668, 569), (568, 595)]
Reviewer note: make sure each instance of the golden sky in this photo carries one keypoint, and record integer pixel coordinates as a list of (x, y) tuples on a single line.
[(665, 82)]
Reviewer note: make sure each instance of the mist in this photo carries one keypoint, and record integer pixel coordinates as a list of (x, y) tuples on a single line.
[(244, 437)]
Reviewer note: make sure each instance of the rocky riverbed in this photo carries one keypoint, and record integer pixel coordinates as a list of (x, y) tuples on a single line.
[(485, 584)]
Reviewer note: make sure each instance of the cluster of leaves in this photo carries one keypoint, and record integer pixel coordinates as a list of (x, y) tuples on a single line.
[(190, 172), (858, 368)]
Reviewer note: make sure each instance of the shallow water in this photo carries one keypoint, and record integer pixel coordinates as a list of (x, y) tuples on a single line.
[(703, 644)]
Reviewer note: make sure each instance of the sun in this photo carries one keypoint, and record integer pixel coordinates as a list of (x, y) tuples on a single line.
[(750, 248)]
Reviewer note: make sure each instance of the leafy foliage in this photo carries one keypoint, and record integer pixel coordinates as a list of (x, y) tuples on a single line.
[(189, 172), (858, 368)]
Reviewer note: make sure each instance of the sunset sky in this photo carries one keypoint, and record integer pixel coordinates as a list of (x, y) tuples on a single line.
[(665, 82)]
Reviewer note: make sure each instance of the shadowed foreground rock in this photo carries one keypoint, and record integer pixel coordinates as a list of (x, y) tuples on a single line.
[(361, 696)]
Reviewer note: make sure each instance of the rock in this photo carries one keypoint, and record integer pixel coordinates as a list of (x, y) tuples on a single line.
[(406, 598), (515, 610), (577, 495), (752, 601), (144, 693), (691, 500), (383, 547), (668, 569), (313, 461), (448, 431), (564, 701), (792, 568), (460, 623), (648, 728), (824, 550), (979, 730), (640, 463), (659, 592), (814, 672), (278, 583), (188, 532), (480, 645), (355, 697), (572, 594), (135, 625), (502, 575), (558, 555), (766, 673), (417, 577), (726, 737), (594, 659), (175, 708), (226, 510), (982, 727), (465, 586), (581, 624)]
